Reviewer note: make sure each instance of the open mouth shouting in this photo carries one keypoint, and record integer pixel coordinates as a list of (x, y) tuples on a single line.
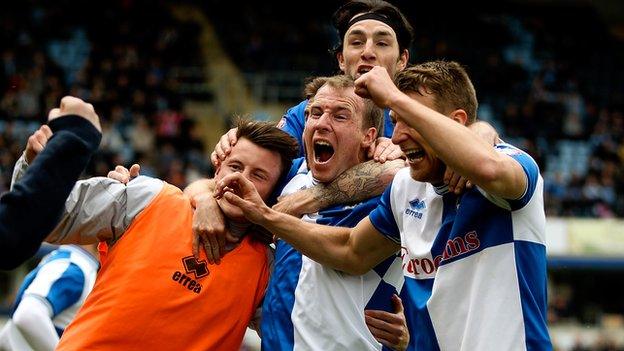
[(323, 151), (414, 155), (362, 70)]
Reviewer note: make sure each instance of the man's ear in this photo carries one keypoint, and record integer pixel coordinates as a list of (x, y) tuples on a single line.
[(460, 116), (403, 60), (341, 61), (369, 137)]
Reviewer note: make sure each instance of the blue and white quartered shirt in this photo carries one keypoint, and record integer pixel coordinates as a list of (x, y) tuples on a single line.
[(311, 307), (474, 264), (62, 280)]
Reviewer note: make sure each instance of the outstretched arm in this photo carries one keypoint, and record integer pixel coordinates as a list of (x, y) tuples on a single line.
[(354, 185), (352, 250)]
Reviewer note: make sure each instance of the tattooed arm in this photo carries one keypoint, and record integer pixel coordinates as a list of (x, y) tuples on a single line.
[(354, 185)]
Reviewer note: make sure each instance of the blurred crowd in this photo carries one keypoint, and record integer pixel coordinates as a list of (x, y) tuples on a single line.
[(118, 56)]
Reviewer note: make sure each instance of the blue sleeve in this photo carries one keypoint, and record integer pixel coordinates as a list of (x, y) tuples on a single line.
[(388, 126), (33, 208), (383, 219), (531, 170), (293, 123), (66, 290)]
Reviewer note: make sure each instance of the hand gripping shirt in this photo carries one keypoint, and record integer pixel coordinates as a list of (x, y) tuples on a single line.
[(474, 264)]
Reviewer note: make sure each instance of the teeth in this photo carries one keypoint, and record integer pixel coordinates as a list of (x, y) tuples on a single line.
[(323, 143), (414, 154)]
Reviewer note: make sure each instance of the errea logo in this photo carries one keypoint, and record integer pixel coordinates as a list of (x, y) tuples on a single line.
[(199, 269), (417, 208)]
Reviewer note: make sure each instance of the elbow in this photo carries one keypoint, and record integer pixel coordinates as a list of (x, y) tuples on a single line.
[(22, 320), (357, 266), (489, 172)]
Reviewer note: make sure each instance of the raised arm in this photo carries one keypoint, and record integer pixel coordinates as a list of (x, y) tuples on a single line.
[(32, 209), (453, 142), (352, 250), (97, 209)]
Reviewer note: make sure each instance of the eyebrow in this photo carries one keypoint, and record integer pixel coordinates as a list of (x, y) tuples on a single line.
[(377, 33)]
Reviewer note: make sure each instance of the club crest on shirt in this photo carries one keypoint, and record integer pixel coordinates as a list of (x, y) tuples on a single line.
[(417, 208)]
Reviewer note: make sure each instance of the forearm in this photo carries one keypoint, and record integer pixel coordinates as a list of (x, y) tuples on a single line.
[(357, 184), (457, 146), (327, 245), (199, 187), (32, 318)]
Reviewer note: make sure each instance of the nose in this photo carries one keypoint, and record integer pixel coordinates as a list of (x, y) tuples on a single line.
[(323, 123), (398, 135), (369, 51)]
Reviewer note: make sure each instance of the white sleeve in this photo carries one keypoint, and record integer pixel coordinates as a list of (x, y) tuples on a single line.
[(19, 169), (101, 209), (33, 319)]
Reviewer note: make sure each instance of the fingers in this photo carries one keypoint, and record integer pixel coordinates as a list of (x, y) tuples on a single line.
[(456, 183), (380, 155), (118, 177), (224, 146), (214, 158), (196, 244), (74, 106), (232, 136), (390, 329), (395, 154), (214, 249), (386, 333), (397, 303), (135, 169), (54, 113), (120, 174), (37, 142), (47, 132), (233, 181)]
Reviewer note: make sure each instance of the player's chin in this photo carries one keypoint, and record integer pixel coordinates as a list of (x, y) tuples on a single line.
[(231, 212)]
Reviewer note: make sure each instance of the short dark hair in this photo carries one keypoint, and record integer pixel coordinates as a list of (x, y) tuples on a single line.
[(372, 116), (447, 81), (268, 136), (401, 26)]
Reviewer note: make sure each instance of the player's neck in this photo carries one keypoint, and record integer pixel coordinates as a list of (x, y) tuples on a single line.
[(238, 229)]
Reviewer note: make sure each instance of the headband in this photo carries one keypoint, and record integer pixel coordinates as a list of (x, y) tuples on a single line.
[(373, 16)]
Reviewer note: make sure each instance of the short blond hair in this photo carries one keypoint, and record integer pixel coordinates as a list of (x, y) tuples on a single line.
[(372, 116), (447, 81)]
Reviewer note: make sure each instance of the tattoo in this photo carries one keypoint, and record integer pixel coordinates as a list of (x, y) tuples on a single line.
[(359, 183)]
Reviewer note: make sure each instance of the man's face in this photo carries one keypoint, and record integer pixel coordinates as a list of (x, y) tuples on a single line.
[(425, 166), (369, 43), (259, 165), (333, 136)]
